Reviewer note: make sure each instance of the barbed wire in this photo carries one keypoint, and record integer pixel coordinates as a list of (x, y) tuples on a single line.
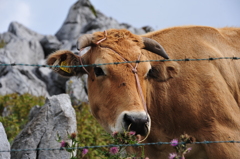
[(112, 145), (116, 63)]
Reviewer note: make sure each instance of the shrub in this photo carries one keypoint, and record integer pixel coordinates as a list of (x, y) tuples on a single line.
[(17, 108)]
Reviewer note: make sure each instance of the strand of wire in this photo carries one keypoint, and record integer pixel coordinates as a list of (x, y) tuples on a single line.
[(116, 63), (112, 145)]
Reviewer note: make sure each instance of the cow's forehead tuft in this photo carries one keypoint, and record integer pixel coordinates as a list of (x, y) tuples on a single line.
[(117, 35)]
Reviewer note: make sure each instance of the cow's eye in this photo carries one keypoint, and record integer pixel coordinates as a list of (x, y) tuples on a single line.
[(98, 71), (152, 73)]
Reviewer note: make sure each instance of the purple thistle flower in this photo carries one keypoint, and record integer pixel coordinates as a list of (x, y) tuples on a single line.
[(132, 133), (63, 144), (174, 142), (84, 152), (172, 155), (189, 149), (114, 150)]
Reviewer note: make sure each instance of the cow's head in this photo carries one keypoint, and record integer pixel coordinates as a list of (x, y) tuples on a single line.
[(114, 97)]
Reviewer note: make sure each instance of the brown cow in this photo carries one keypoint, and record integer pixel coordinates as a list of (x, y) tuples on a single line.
[(200, 98)]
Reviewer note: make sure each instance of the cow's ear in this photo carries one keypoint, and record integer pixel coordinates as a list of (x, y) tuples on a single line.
[(65, 58), (164, 71)]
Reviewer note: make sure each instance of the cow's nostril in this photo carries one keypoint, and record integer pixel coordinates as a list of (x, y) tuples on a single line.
[(136, 123), (128, 119), (135, 119)]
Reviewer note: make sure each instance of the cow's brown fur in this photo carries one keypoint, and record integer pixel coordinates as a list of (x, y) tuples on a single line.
[(200, 98)]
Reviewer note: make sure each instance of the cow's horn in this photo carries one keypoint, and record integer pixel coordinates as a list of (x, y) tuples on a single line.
[(155, 47), (84, 41)]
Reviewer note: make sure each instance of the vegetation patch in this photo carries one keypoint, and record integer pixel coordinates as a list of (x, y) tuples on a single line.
[(2, 44), (90, 133), (14, 110)]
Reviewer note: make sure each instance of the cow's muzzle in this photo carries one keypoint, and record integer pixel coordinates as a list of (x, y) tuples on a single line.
[(137, 123)]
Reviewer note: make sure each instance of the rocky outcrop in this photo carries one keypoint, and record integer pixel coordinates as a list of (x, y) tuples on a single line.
[(78, 16), (22, 81), (83, 18), (23, 32), (4, 144), (55, 84), (77, 90), (57, 116), (22, 50), (19, 79), (50, 44)]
